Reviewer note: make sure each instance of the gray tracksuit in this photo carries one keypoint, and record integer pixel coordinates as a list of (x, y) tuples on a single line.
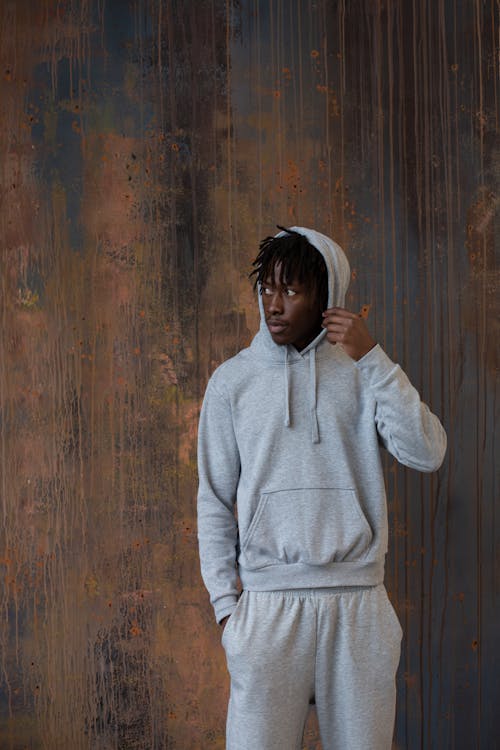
[(293, 439)]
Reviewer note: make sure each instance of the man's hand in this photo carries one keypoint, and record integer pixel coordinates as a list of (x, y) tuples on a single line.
[(349, 330)]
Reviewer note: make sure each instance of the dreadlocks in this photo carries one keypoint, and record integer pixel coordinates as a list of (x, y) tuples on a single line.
[(298, 259)]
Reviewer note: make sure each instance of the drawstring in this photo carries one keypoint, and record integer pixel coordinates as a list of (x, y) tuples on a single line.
[(287, 390), (312, 396)]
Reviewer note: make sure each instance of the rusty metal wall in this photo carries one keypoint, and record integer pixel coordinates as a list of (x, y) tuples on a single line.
[(146, 147)]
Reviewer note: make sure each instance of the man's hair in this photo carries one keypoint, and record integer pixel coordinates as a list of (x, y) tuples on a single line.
[(300, 261)]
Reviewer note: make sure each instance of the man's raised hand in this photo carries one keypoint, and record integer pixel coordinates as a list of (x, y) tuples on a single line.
[(349, 330)]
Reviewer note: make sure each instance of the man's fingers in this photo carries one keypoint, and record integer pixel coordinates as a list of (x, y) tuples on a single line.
[(339, 321), (340, 312), (332, 325)]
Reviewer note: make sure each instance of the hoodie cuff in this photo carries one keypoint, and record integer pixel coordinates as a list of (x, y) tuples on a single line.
[(225, 606), (375, 366)]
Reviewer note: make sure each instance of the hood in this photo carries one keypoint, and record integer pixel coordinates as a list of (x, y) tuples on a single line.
[(339, 274), (337, 265)]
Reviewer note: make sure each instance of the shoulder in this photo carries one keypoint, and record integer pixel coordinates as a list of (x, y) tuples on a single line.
[(334, 356), (340, 374), (228, 374)]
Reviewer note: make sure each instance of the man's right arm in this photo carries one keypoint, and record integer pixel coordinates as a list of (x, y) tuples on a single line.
[(219, 470)]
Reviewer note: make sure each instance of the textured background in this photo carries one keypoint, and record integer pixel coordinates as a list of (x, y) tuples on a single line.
[(145, 148)]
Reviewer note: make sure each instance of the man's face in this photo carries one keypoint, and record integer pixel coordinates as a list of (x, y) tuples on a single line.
[(292, 311)]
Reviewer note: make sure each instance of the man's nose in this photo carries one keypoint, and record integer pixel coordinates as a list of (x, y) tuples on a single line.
[(276, 303)]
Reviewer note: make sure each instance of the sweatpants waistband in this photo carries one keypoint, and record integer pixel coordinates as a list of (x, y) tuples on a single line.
[(312, 593)]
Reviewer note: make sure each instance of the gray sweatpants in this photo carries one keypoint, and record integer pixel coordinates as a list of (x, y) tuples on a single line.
[(339, 646)]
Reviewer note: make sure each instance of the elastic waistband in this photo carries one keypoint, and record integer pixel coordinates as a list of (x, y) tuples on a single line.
[(315, 592)]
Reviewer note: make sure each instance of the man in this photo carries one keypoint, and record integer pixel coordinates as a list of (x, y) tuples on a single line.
[(290, 434)]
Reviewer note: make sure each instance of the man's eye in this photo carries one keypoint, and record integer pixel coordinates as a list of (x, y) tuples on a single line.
[(290, 293), (266, 290)]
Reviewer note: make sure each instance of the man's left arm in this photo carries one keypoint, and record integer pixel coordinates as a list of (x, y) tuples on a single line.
[(406, 426)]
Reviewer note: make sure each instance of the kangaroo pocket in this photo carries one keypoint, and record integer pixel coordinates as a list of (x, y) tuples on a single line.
[(311, 525)]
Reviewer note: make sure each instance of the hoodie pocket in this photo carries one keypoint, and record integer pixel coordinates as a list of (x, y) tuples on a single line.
[(315, 526)]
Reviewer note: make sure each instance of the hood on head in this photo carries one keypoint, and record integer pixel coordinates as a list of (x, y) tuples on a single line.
[(337, 266)]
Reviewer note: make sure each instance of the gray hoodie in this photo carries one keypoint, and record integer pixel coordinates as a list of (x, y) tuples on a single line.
[(291, 489)]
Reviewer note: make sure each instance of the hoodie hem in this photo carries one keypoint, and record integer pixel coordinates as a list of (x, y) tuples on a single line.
[(300, 575)]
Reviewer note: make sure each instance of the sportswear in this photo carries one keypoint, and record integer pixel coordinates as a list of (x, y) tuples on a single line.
[(291, 488)]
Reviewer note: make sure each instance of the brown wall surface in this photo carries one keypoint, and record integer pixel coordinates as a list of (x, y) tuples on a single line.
[(146, 147)]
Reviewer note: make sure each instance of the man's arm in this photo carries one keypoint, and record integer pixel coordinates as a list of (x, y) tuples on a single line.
[(219, 470), (406, 426)]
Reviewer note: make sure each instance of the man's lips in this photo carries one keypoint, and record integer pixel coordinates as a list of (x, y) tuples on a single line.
[(276, 326)]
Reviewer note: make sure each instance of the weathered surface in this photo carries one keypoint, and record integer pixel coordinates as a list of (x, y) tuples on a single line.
[(146, 147)]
